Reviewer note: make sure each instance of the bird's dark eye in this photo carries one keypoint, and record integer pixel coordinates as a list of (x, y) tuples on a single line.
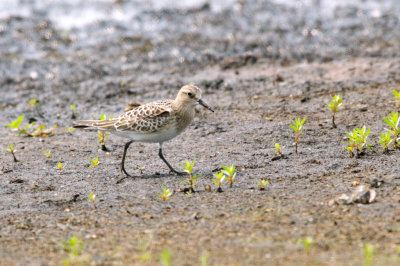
[(190, 94)]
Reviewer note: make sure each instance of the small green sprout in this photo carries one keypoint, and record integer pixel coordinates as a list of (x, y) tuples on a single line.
[(145, 257), (166, 258), (358, 141), (25, 131), (15, 125), (103, 135), (397, 97), (66, 130), (307, 242), (60, 166), (33, 103), (73, 107), (218, 180), (165, 195), (333, 106), (12, 151), (188, 194), (204, 259), (140, 168), (368, 254), (385, 139), (47, 153), (278, 149), (352, 142), (74, 247), (92, 198), (230, 173), (94, 162), (43, 132), (393, 121), (262, 183), (188, 167), (192, 179), (297, 126)]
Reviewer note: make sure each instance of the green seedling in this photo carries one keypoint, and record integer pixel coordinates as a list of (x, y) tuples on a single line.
[(60, 166), (358, 141), (12, 151), (166, 258), (103, 135), (307, 242), (68, 130), (102, 138), (385, 139), (33, 103), (188, 194), (74, 247), (352, 142), (165, 195), (192, 179), (333, 106), (230, 173), (262, 183), (218, 180), (43, 132), (368, 254), (47, 153), (73, 107), (92, 198), (16, 124), (24, 130), (204, 259), (145, 257), (94, 162), (140, 168), (396, 97), (278, 149), (297, 126), (393, 121)]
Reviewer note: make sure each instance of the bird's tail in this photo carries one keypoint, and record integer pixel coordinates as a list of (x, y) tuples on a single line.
[(95, 124)]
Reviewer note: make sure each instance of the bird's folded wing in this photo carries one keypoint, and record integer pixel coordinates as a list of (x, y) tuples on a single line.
[(144, 119)]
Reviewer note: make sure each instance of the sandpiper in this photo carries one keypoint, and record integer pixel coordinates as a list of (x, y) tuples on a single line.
[(154, 122)]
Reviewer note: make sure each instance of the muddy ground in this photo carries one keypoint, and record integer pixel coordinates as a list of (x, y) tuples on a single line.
[(260, 65)]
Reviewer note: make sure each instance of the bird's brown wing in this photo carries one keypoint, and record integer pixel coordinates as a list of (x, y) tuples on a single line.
[(146, 118)]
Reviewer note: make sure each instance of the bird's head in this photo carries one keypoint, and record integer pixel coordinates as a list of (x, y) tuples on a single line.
[(191, 95)]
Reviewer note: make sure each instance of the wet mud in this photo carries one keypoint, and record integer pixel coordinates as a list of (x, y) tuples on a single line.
[(260, 64)]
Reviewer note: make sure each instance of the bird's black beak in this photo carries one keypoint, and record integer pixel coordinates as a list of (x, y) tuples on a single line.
[(200, 101)]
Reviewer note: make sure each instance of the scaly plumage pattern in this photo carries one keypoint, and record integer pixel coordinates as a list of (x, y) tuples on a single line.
[(157, 121)]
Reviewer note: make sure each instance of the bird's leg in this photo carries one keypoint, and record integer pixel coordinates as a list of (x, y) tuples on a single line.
[(123, 158), (167, 163)]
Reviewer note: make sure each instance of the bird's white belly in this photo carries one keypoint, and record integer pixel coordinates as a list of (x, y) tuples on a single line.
[(156, 137)]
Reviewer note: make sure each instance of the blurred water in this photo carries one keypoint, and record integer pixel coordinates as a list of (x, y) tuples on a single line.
[(79, 13), (190, 29)]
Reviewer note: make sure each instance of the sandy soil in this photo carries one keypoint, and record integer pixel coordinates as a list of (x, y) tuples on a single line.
[(256, 95)]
